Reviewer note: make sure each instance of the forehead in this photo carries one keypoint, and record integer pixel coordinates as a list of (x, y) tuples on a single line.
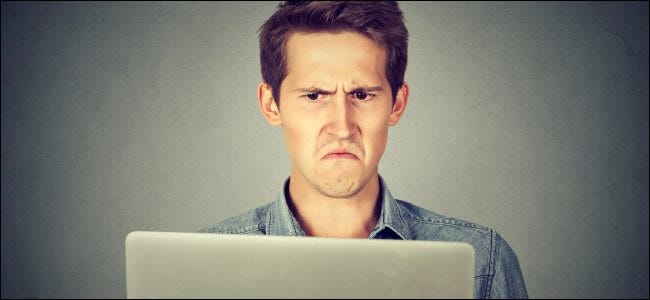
[(346, 54)]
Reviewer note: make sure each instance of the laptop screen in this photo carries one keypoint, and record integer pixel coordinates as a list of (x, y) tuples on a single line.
[(206, 265)]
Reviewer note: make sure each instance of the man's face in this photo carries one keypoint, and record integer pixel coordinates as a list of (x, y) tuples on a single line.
[(335, 108)]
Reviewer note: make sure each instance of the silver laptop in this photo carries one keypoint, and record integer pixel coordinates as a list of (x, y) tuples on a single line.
[(204, 265)]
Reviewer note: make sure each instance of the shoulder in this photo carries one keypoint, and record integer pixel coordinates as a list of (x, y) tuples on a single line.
[(489, 246), (426, 224), (250, 222)]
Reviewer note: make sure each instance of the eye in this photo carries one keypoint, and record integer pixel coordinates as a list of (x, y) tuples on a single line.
[(362, 96), (312, 96)]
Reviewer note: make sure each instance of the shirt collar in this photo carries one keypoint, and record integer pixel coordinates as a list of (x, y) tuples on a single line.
[(390, 217), (281, 221)]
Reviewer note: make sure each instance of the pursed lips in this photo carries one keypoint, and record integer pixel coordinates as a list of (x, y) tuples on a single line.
[(340, 154)]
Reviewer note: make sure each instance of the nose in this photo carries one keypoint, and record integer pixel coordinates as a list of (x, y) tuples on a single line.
[(341, 117)]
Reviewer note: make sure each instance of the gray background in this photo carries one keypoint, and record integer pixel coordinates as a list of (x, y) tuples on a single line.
[(530, 118)]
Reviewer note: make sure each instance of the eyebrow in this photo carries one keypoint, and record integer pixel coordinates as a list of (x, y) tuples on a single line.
[(326, 92)]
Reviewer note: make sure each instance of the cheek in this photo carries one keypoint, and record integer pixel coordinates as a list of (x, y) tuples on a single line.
[(378, 142), (299, 137), (376, 136)]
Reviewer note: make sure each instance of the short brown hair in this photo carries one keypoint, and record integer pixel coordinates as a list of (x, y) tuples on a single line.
[(380, 21)]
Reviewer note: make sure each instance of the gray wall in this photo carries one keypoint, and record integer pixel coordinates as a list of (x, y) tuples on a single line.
[(530, 118)]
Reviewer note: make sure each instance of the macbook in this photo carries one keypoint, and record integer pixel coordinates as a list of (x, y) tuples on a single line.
[(206, 265)]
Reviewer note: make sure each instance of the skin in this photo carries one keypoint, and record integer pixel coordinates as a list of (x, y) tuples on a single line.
[(335, 109)]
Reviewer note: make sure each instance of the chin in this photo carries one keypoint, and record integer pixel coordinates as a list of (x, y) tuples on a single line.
[(340, 187)]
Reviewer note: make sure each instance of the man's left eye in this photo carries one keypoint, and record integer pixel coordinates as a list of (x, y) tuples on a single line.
[(361, 95), (312, 96)]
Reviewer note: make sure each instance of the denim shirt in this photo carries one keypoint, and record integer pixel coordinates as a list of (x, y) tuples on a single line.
[(497, 273)]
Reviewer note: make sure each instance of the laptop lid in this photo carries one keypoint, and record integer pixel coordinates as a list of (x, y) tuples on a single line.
[(206, 265)]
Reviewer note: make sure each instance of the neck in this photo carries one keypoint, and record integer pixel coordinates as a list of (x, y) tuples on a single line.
[(323, 216)]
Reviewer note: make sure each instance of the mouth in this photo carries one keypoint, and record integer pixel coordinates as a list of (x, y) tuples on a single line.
[(340, 154)]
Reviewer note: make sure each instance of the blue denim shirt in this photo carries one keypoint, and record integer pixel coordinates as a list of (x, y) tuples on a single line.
[(497, 273)]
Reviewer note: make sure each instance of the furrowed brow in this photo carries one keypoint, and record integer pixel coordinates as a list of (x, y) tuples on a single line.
[(313, 90), (366, 89)]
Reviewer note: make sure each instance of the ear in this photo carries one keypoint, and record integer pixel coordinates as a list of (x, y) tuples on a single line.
[(268, 107), (401, 99)]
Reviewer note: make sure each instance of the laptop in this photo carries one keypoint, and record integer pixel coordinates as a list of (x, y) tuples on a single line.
[(207, 265)]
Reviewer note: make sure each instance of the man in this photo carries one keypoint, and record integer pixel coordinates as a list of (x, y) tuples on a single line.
[(333, 78)]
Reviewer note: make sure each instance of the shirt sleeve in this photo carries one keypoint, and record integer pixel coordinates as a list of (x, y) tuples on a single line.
[(508, 281)]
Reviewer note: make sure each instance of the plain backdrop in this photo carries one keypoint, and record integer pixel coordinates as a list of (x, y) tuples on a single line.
[(529, 118)]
